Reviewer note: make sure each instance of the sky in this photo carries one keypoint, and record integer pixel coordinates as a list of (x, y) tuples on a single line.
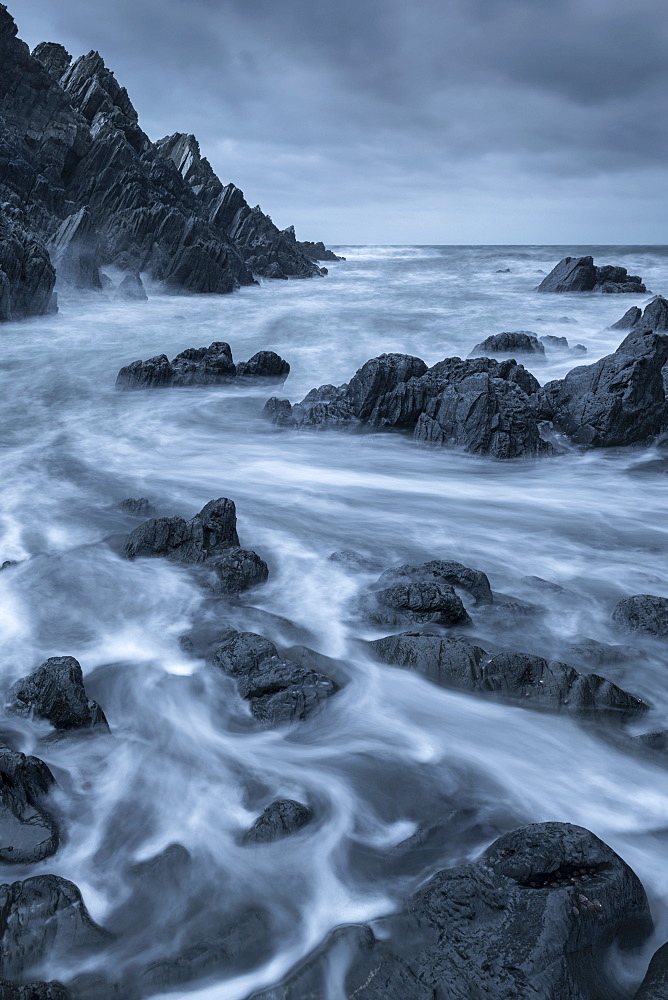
[(404, 121)]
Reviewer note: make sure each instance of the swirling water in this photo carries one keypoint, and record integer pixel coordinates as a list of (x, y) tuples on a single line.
[(391, 751)]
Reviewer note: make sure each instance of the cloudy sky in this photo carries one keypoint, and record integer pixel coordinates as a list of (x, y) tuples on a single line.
[(404, 121)]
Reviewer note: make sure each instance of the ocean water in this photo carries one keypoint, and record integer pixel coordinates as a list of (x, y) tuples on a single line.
[(390, 752)]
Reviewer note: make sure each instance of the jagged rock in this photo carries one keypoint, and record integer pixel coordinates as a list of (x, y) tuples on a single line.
[(266, 250), (75, 252), (314, 251), (131, 289), (279, 820), (207, 534), (277, 690), (481, 405), (474, 581), (628, 320), (27, 276), (54, 58), (28, 832), (237, 570), (55, 691), (141, 506), (264, 364), (212, 365), (42, 917), (518, 342), (579, 274), (655, 317), (522, 678), (532, 919), (645, 613), (655, 984), (617, 401)]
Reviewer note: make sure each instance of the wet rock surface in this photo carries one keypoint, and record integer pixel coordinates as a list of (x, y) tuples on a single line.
[(28, 832), (55, 691), (653, 317), (237, 570), (643, 613), (205, 535), (212, 365), (519, 342), (278, 820), (580, 274)]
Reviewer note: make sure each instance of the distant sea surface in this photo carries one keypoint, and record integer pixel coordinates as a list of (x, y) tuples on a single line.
[(391, 750)]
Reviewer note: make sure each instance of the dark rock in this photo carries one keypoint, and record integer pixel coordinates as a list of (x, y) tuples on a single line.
[(481, 405), (203, 365), (27, 275), (141, 506), (314, 251), (264, 364), (54, 58), (474, 581), (55, 691), (554, 343), (28, 832), (237, 570), (617, 401), (277, 690), (75, 252), (503, 270), (532, 919), (422, 602), (655, 984), (8, 563), (644, 613), (518, 342), (33, 991), (279, 820), (597, 653), (42, 917), (579, 274), (628, 320), (152, 373), (207, 534), (655, 317), (131, 289), (450, 663)]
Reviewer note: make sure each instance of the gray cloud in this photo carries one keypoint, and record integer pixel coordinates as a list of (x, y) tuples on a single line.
[(388, 121)]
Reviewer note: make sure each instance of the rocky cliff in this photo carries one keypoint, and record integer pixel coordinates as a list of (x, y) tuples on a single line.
[(82, 185)]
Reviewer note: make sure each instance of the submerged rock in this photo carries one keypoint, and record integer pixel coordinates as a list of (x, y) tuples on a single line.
[(28, 832), (645, 613), (580, 274), (280, 819), (532, 919), (207, 534), (212, 365), (141, 506), (277, 690), (619, 400), (519, 342), (55, 691), (474, 581)]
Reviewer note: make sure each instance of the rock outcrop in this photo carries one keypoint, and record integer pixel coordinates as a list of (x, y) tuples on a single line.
[(87, 183), (619, 400), (206, 535), (277, 690), (28, 832), (654, 317), (55, 691), (212, 365), (580, 274), (481, 405), (532, 919), (518, 342)]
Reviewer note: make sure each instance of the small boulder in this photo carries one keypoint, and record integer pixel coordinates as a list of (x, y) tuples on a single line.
[(474, 581), (207, 534), (238, 570), (280, 819), (28, 832), (422, 602), (55, 691), (519, 342), (645, 613), (264, 365)]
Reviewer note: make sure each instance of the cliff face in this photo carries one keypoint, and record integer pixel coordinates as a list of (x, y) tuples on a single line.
[(81, 182)]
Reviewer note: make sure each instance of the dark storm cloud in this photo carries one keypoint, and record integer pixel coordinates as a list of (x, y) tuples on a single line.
[(374, 113)]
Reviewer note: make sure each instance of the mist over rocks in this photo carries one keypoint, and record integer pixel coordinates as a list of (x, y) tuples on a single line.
[(519, 342), (90, 188), (580, 274), (212, 365)]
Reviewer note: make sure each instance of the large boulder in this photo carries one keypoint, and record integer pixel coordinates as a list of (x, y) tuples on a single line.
[(28, 832), (56, 692), (654, 317), (644, 613), (280, 819), (451, 663), (43, 917), (212, 365), (533, 918), (205, 535), (518, 342), (580, 274), (277, 690), (619, 400)]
